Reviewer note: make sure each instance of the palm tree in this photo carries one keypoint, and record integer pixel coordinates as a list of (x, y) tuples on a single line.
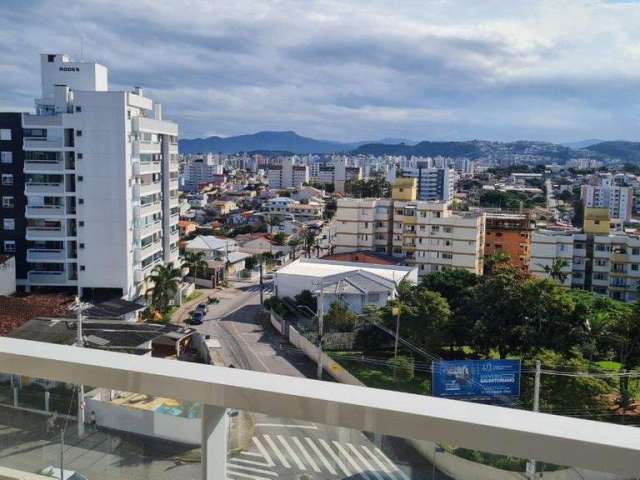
[(309, 241), (165, 279), (294, 243), (195, 261), (555, 270)]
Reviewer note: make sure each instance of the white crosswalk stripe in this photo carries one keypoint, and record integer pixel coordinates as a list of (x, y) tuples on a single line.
[(335, 458), (291, 453), (322, 458), (277, 451), (351, 461), (263, 451), (234, 475), (234, 466), (393, 465), (365, 462), (381, 465), (305, 454)]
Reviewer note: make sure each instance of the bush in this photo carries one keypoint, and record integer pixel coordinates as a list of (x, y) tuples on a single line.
[(340, 318), (404, 368), (307, 299)]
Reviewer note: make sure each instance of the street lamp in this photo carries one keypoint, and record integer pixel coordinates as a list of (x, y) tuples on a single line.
[(79, 307), (320, 315)]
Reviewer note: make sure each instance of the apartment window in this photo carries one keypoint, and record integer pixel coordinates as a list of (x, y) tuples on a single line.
[(5, 134), (81, 201), (448, 229), (9, 246), (6, 157), (82, 269), (601, 263), (81, 223), (7, 179), (447, 255), (81, 246), (634, 267), (635, 251), (51, 58), (9, 224), (7, 202), (447, 243), (435, 229), (79, 156), (80, 178), (78, 109), (78, 133)]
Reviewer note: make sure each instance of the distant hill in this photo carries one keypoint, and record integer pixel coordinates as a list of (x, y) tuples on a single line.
[(472, 149), (272, 142), (262, 141), (622, 150), (582, 143)]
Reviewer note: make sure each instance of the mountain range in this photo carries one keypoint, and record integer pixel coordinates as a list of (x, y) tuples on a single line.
[(291, 142)]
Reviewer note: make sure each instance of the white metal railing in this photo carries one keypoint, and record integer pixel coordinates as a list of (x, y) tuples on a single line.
[(550, 438)]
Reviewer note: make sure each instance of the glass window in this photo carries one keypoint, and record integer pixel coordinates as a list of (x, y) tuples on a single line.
[(6, 157), (9, 246), (5, 134), (7, 202), (9, 224), (7, 179)]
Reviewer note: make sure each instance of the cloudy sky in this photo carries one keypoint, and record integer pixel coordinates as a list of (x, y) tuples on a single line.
[(558, 70)]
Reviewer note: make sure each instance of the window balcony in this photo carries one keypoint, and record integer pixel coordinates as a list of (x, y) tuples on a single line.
[(45, 277), (48, 188), (43, 166), (42, 255), (143, 168), (45, 211), (42, 144), (149, 209), (45, 233), (41, 121), (321, 423), (140, 232)]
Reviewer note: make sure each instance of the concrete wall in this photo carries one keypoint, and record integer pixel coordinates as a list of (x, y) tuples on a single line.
[(8, 276), (145, 422), (11, 474)]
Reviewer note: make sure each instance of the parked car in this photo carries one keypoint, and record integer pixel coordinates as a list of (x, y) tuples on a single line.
[(202, 307), (54, 472), (197, 318)]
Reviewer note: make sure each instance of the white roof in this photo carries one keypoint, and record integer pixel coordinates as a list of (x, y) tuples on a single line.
[(209, 242), (310, 267)]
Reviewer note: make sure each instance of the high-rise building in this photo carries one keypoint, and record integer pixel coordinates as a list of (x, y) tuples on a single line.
[(200, 169), (602, 192), (287, 174), (425, 234), (510, 233), (12, 221), (101, 181), (434, 184)]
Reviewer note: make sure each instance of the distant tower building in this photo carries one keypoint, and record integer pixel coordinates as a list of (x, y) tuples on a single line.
[(434, 184), (603, 193)]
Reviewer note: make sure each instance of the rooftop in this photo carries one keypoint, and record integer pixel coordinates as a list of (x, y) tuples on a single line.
[(311, 267)]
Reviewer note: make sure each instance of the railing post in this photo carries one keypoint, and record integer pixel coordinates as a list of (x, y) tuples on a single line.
[(214, 442)]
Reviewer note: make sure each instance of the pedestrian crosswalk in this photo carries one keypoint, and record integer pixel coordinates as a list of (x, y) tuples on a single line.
[(271, 455)]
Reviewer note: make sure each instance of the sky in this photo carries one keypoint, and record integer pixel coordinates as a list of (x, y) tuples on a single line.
[(352, 70)]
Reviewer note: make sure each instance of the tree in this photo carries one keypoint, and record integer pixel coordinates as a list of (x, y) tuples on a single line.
[(195, 262), (294, 243), (339, 318), (424, 320), (556, 270), (309, 240), (251, 263), (279, 238), (625, 338), (165, 280), (272, 221), (496, 262), (306, 298)]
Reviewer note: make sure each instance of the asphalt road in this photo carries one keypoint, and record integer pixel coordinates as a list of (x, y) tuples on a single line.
[(285, 448)]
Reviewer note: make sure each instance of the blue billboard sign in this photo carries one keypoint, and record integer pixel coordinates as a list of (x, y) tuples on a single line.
[(476, 378)]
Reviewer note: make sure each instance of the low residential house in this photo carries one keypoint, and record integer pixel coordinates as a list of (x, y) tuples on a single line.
[(223, 256), (187, 227), (307, 211), (198, 200), (223, 207), (279, 205), (355, 284), (309, 194)]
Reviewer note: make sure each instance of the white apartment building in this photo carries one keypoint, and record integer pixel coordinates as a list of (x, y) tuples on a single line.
[(426, 234), (602, 192), (604, 264), (287, 175), (200, 169), (101, 182), (434, 184)]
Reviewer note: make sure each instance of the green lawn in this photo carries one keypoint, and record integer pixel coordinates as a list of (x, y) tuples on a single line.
[(193, 296), (381, 376)]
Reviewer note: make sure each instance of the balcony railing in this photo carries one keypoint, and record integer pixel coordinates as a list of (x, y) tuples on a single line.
[(42, 144), (44, 187), (45, 232), (555, 439), (47, 277), (45, 211), (45, 255), (38, 166)]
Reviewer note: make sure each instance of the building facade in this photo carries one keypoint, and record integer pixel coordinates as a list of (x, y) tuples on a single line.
[(425, 234), (287, 175), (434, 184), (101, 181), (200, 169), (12, 219), (602, 192), (509, 233)]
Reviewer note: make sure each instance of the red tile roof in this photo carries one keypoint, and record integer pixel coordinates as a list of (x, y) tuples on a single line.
[(19, 309)]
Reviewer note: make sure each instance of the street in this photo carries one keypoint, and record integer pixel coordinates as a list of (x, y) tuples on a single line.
[(285, 448)]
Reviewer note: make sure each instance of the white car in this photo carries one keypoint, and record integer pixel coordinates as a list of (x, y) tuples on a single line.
[(54, 472)]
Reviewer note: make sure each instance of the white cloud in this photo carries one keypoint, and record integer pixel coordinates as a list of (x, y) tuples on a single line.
[(543, 69)]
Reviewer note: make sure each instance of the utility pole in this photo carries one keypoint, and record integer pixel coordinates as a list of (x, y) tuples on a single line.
[(261, 286), (531, 464), (320, 328), (79, 308), (396, 312), (62, 453)]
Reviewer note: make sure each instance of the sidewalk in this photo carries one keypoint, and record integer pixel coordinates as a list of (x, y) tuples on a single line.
[(182, 313)]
